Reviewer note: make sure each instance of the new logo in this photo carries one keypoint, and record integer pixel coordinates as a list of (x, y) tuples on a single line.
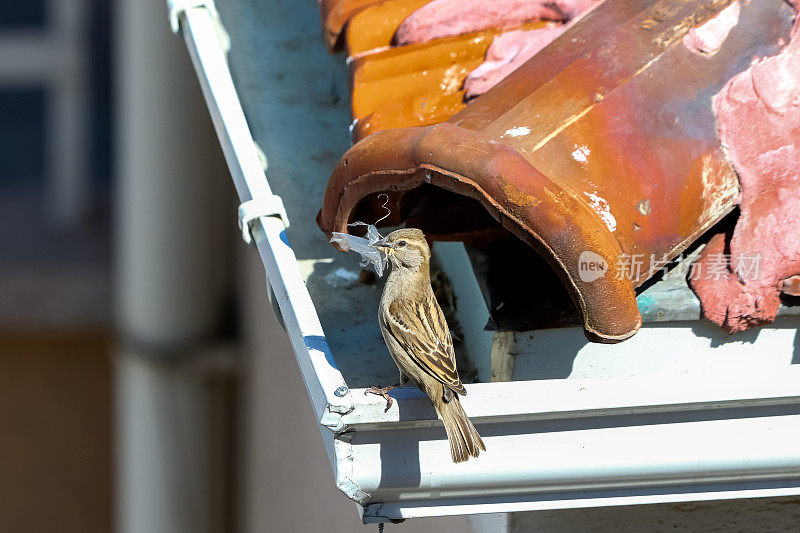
[(591, 266)]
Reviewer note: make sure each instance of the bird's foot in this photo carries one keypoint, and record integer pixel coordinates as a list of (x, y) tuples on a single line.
[(384, 392)]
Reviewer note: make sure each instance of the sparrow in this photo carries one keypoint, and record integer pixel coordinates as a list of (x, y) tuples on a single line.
[(416, 333)]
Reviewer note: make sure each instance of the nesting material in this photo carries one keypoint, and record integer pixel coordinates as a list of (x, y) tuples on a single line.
[(370, 255)]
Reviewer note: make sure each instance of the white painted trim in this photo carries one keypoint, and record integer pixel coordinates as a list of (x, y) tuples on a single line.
[(321, 377), (570, 398), (416, 509)]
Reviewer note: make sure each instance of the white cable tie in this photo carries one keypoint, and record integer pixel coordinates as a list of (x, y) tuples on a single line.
[(176, 7), (252, 210)]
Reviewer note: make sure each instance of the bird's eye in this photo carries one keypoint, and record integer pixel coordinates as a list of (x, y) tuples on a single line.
[(402, 243)]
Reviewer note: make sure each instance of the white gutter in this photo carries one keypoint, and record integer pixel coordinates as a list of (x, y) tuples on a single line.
[(322, 378), (557, 444), (551, 444)]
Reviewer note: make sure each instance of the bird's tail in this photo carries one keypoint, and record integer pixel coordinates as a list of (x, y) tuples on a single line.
[(464, 439)]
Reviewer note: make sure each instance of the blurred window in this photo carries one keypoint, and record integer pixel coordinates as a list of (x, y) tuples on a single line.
[(22, 141), (22, 14)]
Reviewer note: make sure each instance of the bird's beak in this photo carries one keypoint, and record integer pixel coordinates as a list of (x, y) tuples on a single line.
[(383, 244)]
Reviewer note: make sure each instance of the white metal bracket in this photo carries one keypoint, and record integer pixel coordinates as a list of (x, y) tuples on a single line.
[(271, 206), (176, 7)]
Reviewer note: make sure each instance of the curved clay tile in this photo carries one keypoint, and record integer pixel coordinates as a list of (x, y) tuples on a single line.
[(600, 151), (334, 16), (374, 27)]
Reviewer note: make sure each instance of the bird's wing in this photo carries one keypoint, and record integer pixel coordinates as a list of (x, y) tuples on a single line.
[(421, 330)]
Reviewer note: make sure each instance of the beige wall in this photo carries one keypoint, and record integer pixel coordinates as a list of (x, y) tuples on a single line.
[(55, 438)]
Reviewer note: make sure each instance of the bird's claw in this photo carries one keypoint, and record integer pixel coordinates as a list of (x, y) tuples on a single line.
[(384, 393)]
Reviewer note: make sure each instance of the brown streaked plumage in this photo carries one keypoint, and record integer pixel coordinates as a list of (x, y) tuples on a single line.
[(419, 341)]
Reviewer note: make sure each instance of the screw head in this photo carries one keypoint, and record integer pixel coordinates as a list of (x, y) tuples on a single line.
[(340, 391)]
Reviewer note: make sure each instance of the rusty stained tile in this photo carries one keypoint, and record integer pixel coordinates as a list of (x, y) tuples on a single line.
[(415, 85), (420, 85), (645, 153), (374, 28), (602, 144), (334, 16)]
